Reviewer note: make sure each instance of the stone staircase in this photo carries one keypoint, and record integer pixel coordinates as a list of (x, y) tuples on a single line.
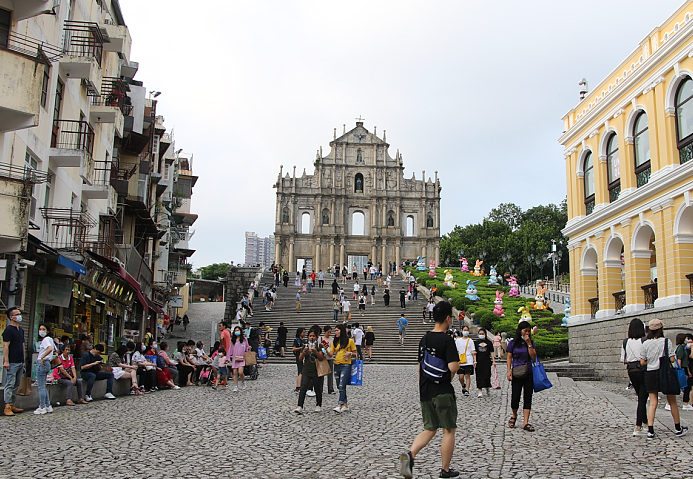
[(578, 372), (316, 308)]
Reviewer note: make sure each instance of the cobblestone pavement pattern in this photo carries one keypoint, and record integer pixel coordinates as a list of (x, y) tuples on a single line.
[(584, 430)]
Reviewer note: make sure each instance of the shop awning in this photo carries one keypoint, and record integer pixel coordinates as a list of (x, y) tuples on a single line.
[(156, 307), (73, 265), (135, 284)]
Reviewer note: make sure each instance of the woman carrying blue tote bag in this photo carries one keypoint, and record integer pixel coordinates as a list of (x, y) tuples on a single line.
[(541, 381)]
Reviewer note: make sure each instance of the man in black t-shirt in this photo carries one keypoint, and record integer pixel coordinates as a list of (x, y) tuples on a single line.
[(282, 332), (13, 353), (438, 401)]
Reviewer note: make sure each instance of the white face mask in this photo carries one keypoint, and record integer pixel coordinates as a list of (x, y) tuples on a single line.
[(42, 334), (481, 336), (465, 333), (18, 318)]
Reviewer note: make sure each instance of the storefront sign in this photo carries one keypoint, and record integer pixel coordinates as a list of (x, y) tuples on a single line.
[(55, 291), (175, 301)]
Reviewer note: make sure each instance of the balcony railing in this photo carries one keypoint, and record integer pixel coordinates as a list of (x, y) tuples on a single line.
[(114, 93), (83, 39), (101, 244), (73, 135), (23, 173), (102, 173), (40, 51), (620, 301), (650, 291), (643, 175), (594, 307), (690, 284), (614, 192), (66, 229), (589, 207)]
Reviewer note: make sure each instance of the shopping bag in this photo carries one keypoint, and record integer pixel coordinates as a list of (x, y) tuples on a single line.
[(495, 380), (541, 381), (24, 388), (261, 353), (356, 373), (323, 367), (668, 377), (683, 377), (250, 358)]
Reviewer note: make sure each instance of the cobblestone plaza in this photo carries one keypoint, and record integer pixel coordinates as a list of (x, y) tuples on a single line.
[(583, 431)]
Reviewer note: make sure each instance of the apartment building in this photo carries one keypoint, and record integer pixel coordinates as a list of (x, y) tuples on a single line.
[(84, 165), (259, 250)]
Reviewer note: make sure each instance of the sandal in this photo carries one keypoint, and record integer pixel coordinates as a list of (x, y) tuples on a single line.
[(512, 421), (528, 427)]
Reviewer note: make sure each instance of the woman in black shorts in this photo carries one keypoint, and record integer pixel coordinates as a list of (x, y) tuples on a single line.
[(297, 348), (370, 339)]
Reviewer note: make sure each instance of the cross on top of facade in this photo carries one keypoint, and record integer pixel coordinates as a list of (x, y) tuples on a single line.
[(359, 118)]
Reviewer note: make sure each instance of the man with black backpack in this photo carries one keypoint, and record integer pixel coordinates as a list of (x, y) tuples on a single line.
[(438, 363)]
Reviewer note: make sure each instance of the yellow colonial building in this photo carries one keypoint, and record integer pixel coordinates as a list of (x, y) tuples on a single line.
[(628, 151)]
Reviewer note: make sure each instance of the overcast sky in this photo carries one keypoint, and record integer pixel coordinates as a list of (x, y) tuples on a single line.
[(473, 89)]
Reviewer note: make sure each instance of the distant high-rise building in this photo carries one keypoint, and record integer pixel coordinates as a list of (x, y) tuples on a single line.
[(259, 250)]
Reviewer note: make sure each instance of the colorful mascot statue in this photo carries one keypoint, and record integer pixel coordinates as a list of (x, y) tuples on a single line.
[(524, 314), (498, 310), (541, 302), (449, 279), (432, 269), (493, 277), (477, 268), (514, 288), (566, 310), (465, 266), (420, 263), (471, 290)]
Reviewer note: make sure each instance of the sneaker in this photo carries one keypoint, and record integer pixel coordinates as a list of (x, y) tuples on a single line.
[(88, 398), (406, 464), (235, 389), (345, 408), (639, 432), (687, 407), (466, 393), (297, 390), (338, 408), (178, 387), (49, 409), (298, 410), (109, 396), (310, 393), (682, 431), (480, 394), (243, 385), (450, 473), (651, 435), (667, 407), (40, 410), (318, 409)]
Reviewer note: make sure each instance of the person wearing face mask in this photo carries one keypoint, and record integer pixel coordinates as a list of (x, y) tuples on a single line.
[(438, 401), (521, 353), (467, 356), (239, 345), (145, 369), (66, 375), (310, 354), (13, 362), (484, 359), (185, 369), (43, 361)]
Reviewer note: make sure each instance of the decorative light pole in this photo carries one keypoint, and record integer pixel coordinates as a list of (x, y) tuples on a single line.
[(530, 259)]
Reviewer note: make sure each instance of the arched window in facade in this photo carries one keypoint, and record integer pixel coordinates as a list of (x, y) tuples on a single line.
[(326, 216), (429, 221), (410, 226), (589, 183), (358, 223), (391, 218), (285, 215), (684, 120), (305, 223), (613, 167), (358, 183), (641, 145)]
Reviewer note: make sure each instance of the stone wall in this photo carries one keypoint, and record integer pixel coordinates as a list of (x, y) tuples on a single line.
[(208, 290), (598, 343), (238, 281)]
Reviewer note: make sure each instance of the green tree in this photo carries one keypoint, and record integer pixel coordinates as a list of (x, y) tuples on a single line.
[(508, 213), (214, 271)]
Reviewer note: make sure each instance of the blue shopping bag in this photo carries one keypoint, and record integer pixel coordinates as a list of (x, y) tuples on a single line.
[(683, 377), (356, 373), (541, 381), (261, 353)]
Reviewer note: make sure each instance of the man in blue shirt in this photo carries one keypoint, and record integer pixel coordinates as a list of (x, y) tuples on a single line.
[(402, 323), (13, 351)]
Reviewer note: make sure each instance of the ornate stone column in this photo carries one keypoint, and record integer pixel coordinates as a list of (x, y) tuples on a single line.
[(316, 261), (292, 262)]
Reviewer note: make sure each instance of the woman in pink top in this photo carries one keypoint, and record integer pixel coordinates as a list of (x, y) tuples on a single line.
[(235, 355), (497, 346)]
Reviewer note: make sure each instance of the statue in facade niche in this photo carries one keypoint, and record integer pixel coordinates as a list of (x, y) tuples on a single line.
[(359, 158), (390, 220), (325, 218), (359, 184), (429, 221), (285, 216)]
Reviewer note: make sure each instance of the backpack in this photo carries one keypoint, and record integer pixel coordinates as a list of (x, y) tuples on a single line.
[(432, 367), (254, 334)]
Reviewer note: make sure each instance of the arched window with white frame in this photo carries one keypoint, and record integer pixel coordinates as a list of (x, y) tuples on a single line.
[(641, 146), (588, 183), (305, 223), (613, 167), (684, 120), (358, 224)]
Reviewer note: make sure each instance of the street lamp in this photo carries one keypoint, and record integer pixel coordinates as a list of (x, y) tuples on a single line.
[(530, 258)]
